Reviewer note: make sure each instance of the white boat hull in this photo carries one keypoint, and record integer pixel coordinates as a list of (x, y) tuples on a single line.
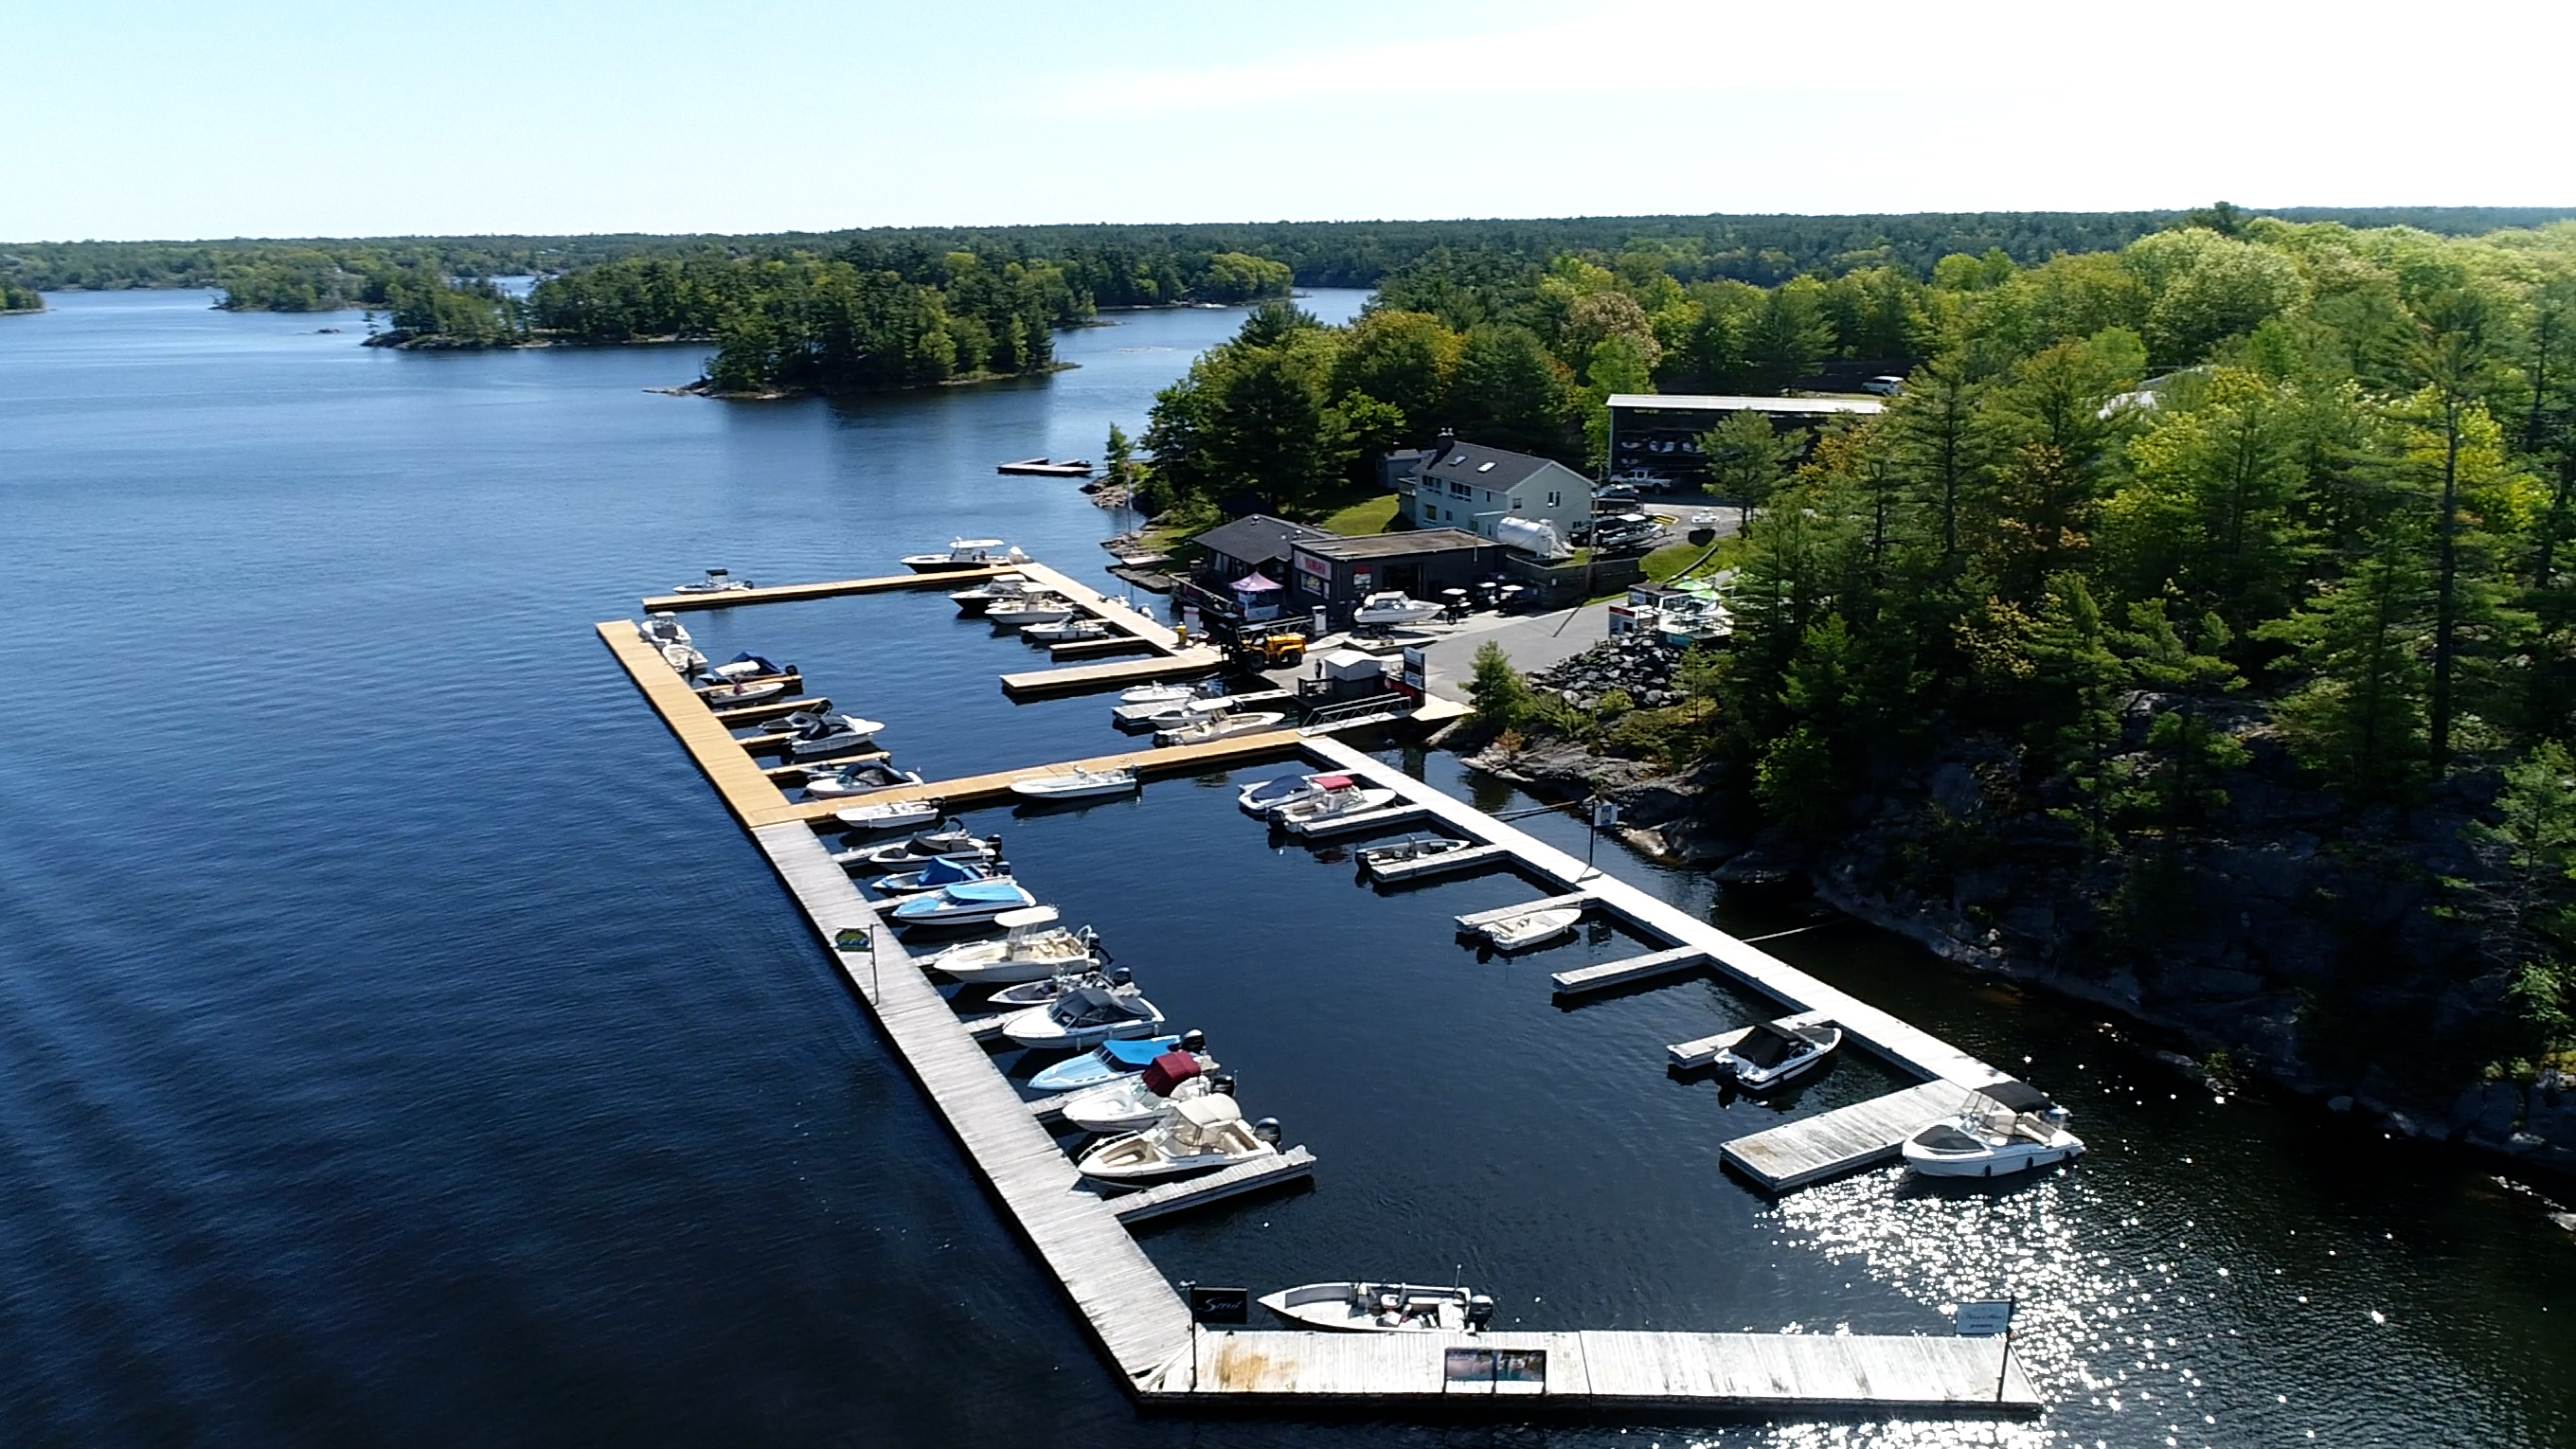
[(1038, 1030), (1530, 928), (1354, 1307), (1065, 787), (1137, 1158), (889, 817)]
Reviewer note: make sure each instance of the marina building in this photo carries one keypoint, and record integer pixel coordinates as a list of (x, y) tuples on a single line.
[(1473, 489), (1654, 437), (1333, 573)]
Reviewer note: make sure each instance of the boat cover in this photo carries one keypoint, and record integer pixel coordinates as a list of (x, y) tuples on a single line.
[(1279, 789), (2018, 1096), (1139, 1052), (765, 666), (1168, 1071), (944, 871), (1213, 1110), (984, 892), (1769, 1045), (1092, 1006), (1334, 782)]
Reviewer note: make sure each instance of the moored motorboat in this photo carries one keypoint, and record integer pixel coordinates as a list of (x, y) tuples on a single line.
[(1066, 631), (1170, 714), (1046, 468), (965, 904), (1337, 796), (891, 815), (1536, 926), (735, 693), (1220, 727), (1029, 609), (1383, 1307), (2005, 1128), (815, 735), (1201, 1135), (664, 633), (859, 777), (717, 581), (1411, 848), (1157, 693), (1141, 1099), (1085, 1017), (926, 847), (1034, 947), (964, 553), (746, 668), (1113, 1059), (1772, 1052), (1040, 993), (976, 598), (1378, 610), (1075, 784), (945, 871), (1266, 798)]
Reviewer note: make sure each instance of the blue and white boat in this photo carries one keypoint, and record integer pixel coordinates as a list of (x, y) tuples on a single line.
[(746, 668), (1112, 1059), (1086, 1016), (1268, 797), (964, 904), (944, 871)]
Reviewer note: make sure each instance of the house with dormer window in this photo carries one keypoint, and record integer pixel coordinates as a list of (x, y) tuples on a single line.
[(1465, 486)]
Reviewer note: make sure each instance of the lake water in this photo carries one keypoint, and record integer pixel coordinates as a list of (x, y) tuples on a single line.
[(398, 1045)]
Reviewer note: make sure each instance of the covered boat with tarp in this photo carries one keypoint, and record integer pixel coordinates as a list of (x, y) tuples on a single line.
[(2006, 1127), (1771, 1052)]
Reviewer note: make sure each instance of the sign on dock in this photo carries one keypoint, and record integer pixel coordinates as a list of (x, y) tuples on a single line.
[(1982, 1320)]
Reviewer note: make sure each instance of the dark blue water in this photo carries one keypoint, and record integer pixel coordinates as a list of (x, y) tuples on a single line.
[(398, 1046)]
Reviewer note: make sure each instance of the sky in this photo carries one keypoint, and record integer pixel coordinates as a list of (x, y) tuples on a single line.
[(137, 120)]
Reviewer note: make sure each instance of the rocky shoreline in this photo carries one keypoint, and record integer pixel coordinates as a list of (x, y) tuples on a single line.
[(2277, 945)]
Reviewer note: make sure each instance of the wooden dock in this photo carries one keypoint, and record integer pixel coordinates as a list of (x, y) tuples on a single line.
[(1691, 1055), (1846, 1139), (1633, 968), (1446, 863), (1165, 1198), (1744, 1371), (799, 593), (1166, 760), (751, 714), (793, 679), (1193, 661)]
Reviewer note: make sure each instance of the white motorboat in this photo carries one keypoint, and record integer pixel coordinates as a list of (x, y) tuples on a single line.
[(1530, 928), (964, 553), (1772, 1052), (1266, 798), (734, 693), (1053, 988), (1383, 1307), (1066, 631), (860, 777), (717, 581), (1201, 1134), (1411, 848), (1075, 784), (744, 668), (1113, 1059), (1157, 693), (1173, 715), (664, 633), (1085, 1017), (814, 735), (1033, 609), (1338, 796), (1393, 608), (892, 815), (924, 848), (969, 903), (1034, 946), (945, 871), (976, 598), (1139, 1100), (2005, 1128), (1219, 727)]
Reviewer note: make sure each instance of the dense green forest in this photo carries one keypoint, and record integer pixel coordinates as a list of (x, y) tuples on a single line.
[(2241, 488), (16, 298)]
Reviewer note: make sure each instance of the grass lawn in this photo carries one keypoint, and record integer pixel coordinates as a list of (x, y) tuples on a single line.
[(1369, 515), (1664, 563)]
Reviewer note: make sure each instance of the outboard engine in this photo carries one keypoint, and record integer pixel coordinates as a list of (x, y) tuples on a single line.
[(1222, 1082), (1120, 976), (1480, 1312), (1267, 1129), (1194, 1041)]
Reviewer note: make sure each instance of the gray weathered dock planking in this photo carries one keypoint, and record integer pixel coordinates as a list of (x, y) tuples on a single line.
[(1422, 867), (1185, 663), (1846, 1139), (1096, 648), (1633, 968), (775, 709), (1477, 920), (832, 589), (1703, 1051), (1164, 1198), (1752, 1371)]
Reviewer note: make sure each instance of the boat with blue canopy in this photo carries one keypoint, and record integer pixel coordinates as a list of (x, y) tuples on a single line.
[(1113, 1059), (966, 903)]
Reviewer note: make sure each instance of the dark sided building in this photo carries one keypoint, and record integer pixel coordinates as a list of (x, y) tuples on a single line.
[(1654, 437), (1335, 574)]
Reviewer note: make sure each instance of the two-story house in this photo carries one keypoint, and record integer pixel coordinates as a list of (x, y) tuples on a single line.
[(1464, 486)]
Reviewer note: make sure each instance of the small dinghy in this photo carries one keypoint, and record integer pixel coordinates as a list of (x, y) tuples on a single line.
[(717, 581), (1380, 610), (860, 777), (1075, 784), (1268, 797), (745, 668), (1141, 1099), (966, 904), (1031, 609), (1220, 727), (1113, 1059), (735, 693), (2005, 1128), (1530, 928), (664, 633), (1066, 632), (1411, 848), (945, 871), (1085, 1017), (1034, 947), (1772, 1052), (892, 815), (1383, 1307), (925, 848), (1158, 694), (1337, 796), (964, 553), (816, 736), (1201, 1135)]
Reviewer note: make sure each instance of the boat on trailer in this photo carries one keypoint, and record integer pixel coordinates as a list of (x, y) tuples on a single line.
[(1383, 1307), (2002, 1129), (1388, 609), (964, 553), (1773, 1052)]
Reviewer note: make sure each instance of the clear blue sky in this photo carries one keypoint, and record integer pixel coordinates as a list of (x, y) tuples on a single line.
[(274, 119)]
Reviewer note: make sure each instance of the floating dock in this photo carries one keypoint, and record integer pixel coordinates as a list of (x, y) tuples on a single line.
[(1691, 1055), (1294, 1164), (1632, 969), (1846, 1139), (799, 593)]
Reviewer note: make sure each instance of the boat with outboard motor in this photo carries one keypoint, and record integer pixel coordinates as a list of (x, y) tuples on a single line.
[(664, 633), (717, 581), (1113, 1059), (1200, 1135), (1140, 1099), (1158, 693), (2002, 1129), (967, 903), (750, 668), (1380, 610), (964, 553), (1075, 784), (1033, 608), (1085, 1017), (1772, 1052), (1065, 631), (1040, 993), (976, 598), (1220, 727), (1267, 797), (815, 733), (1410, 848), (1383, 1307), (859, 777), (1533, 927), (1335, 797), (724, 693), (945, 871), (925, 847), (891, 815), (1034, 946)]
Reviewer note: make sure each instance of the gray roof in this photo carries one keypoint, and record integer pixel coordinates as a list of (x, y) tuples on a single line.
[(1706, 403), (1484, 467), (1256, 539), (1394, 545)]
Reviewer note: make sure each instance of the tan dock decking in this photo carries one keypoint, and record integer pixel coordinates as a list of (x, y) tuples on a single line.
[(833, 589), (1846, 1139), (1149, 762)]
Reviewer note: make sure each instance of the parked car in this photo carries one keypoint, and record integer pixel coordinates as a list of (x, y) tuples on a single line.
[(1884, 386)]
